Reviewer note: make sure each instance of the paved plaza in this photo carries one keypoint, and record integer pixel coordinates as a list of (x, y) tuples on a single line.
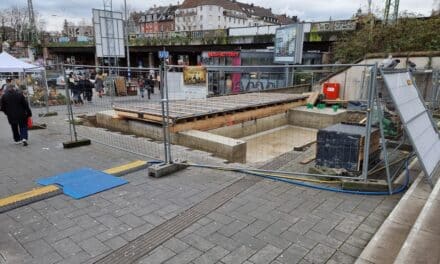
[(269, 222)]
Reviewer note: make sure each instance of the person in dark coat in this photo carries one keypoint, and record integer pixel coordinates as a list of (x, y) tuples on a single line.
[(86, 88), (150, 86), (16, 108)]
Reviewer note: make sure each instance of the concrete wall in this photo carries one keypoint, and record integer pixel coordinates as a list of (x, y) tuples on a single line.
[(251, 127), (110, 120), (354, 79), (315, 118), (230, 149)]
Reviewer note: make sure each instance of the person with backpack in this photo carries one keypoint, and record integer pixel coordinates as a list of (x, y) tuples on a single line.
[(16, 108)]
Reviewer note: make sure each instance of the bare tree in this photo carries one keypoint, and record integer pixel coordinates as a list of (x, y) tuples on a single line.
[(16, 18)]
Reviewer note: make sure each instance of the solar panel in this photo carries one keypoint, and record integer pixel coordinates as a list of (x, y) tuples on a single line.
[(415, 118)]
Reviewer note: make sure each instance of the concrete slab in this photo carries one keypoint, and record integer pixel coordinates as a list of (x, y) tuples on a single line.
[(272, 143), (252, 127), (315, 118), (233, 150), (163, 169)]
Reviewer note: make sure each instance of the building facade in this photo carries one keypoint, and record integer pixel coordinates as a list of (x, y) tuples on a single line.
[(193, 15), (72, 30), (158, 19)]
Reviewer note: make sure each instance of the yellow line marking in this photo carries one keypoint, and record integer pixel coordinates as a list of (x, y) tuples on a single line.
[(126, 167), (51, 188), (27, 195)]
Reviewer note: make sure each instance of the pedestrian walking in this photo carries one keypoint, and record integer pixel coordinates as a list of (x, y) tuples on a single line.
[(99, 84), (8, 84), (142, 84), (150, 86), (88, 88), (74, 89), (16, 108)]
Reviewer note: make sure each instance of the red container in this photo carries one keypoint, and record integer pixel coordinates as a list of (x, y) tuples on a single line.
[(331, 90)]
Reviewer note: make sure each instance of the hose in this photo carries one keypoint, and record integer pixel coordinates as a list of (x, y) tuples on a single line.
[(301, 182)]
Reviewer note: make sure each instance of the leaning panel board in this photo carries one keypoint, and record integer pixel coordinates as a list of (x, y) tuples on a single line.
[(415, 118)]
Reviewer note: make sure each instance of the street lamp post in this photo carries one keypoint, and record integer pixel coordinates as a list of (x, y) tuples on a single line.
[(127, 40)]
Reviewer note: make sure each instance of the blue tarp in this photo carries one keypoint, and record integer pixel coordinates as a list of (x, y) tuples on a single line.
[(83, 182)]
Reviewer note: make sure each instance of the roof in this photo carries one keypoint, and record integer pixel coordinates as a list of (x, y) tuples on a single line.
[(285, 20), (259, 11), (226, 4), (163, 12), (9, 63)]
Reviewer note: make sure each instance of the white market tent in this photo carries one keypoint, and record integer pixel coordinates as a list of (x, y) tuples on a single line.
[(9, 63)]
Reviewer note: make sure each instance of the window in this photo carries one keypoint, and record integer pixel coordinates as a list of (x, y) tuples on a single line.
[(230, 19), (201, 27), (201, 17)]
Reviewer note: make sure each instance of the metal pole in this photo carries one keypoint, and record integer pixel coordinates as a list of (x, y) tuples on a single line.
[(69, 107), (383, 142), (164, 122), (167, 107), (127, 40), (371, 91), (47, 91), (286, 75)]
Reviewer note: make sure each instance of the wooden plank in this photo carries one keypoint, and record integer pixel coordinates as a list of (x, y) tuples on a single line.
[(181, 111), (145, 117), (313, 97), (304, 147), (233, 118)]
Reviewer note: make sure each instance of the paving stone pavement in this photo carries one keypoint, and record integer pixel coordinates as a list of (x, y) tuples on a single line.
[(271, 222)]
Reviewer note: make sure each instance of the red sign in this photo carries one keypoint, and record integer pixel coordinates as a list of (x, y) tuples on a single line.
[(212, 54)]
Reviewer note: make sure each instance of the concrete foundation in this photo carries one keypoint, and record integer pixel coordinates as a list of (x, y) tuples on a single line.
[(272, 143), (315, 118), (257, 140), (110, 120), (163, 169), (233, 150), (252, 127)]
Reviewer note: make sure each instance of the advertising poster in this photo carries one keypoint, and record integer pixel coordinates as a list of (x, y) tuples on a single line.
[(194, 75), (289, 44)]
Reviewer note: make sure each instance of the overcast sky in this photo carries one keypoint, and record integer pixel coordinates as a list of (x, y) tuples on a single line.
[(55, 11)]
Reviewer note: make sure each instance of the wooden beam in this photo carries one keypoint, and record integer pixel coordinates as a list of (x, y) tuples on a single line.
[(234, 118)]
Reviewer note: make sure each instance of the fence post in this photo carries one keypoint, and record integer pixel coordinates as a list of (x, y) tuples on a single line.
[(163, 99), (74, 142), (46, 97), (371, 104), (72, 130), (167, 108)]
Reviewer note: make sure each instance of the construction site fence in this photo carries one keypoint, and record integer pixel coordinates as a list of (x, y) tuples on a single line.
[(299, 141), (124, 114)]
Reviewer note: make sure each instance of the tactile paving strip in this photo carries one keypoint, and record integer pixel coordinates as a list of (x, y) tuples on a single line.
[(144, 244)]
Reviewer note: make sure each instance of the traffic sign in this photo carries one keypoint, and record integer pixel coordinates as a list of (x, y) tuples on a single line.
[(163, 54)]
